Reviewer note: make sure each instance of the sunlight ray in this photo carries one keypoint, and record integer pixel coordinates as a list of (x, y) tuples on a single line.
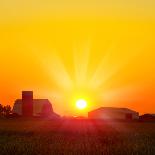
[(124, 94), (54, 67), (95, 80), (109, 66), (81, 62)]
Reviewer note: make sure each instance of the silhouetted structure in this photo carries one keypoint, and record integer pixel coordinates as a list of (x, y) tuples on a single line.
[(147, 117), (28, 107), (27, 103), (111, 113)]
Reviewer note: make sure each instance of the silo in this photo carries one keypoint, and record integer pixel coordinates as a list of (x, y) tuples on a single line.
[(27, 103)]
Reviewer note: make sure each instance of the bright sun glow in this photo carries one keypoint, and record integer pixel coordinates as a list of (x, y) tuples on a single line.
[(81, 104)]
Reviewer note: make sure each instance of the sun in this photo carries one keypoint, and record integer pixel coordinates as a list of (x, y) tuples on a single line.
[(81, 104)]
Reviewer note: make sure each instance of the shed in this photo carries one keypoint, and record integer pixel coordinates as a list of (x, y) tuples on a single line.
[(112, 113)]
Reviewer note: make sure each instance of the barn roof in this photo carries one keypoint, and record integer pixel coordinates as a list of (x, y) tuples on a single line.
[(113, 109), (38, 104), (35, 101)]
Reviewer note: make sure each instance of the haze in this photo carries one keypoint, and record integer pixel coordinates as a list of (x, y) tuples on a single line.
[(102, 52)]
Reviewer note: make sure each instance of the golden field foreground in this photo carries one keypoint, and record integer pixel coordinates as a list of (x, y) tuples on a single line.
[(37, 137)]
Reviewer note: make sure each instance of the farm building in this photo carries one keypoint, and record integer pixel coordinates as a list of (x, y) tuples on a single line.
[(111, 113), (27, 106), (147, 117)]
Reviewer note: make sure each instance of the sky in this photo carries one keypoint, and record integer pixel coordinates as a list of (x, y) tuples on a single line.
[(63, 50)]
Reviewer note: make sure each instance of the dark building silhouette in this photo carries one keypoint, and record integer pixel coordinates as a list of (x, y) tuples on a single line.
[(112, 113), (27, 101), (147, 117), (28, 107)]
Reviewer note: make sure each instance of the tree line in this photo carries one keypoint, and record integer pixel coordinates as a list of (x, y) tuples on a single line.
[(5, 110)]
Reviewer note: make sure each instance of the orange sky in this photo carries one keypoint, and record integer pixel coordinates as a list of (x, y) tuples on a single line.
[(103, 52)]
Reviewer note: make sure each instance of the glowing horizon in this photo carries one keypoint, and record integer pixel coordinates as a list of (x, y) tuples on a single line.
[(65, 50)]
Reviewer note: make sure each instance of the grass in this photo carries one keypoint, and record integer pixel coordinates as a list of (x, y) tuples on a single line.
[(76, 137)]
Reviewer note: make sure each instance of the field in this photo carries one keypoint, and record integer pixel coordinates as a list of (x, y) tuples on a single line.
[(67, 137)]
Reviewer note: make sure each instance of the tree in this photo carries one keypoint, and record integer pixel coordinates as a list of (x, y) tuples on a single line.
[(1, 110), (7, 110)]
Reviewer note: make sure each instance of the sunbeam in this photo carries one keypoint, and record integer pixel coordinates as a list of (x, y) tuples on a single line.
[(128, 93), (54, 67), (110, 66), (81, 62)]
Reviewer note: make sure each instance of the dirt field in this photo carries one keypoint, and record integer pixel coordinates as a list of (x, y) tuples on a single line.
[(43, 137)]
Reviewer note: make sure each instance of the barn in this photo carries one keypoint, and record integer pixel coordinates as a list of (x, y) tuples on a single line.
[(27, 106), (112, 113)]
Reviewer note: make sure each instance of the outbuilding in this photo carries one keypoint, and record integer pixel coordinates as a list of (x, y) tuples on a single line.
[(112, 113)]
